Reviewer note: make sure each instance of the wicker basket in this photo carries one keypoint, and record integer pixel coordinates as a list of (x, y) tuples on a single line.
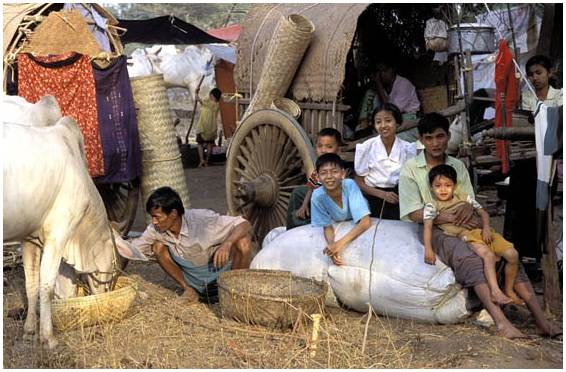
[(287, 105), (269, 298), (95, 309), (286, 48), (161, 159), (12, 254)]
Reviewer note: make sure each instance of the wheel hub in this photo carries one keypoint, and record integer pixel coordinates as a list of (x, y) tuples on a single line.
[(262, 191)]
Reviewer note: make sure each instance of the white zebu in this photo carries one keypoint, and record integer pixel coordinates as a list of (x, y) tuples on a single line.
[(50, 199)]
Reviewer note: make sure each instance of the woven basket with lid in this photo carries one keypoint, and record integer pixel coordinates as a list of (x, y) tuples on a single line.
[(268, 297)]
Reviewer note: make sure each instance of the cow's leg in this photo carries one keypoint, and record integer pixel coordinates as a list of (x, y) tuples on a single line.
[(31, 256), (50, 262)]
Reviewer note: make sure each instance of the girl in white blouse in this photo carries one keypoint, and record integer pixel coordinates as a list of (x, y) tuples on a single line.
[(378, 162)]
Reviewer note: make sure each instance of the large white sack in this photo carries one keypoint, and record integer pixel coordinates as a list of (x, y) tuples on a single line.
[(402, 285)]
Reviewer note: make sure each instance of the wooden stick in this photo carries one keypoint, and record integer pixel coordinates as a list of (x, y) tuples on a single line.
[(194, 110), (314, 337)]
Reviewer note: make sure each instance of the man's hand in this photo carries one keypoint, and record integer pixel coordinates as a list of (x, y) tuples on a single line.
[(222, 255), (486, 235), (429, 256), (334, 248), (391, 197), (303, 212), (337, 259)]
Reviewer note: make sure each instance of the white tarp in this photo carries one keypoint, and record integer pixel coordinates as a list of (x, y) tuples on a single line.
[(394, 279)]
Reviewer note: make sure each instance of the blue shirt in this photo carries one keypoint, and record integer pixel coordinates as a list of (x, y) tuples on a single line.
[(324, 211)]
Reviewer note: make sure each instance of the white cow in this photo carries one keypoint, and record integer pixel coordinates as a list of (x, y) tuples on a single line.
[(182, 70), (51, 202)]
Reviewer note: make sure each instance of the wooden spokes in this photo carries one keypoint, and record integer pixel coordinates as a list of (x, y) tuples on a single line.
[(269, 155), (121, 202)]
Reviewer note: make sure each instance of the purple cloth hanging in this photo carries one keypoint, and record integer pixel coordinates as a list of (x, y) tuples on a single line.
[(118, 123)]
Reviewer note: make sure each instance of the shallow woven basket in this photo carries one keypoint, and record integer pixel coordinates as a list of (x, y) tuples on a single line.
[(287, 105), (95, 309), (269, 298), (286, 49), (161, 159)]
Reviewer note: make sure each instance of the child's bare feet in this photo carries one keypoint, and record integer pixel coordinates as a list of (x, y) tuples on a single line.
[(499, 298), (510, 332), (514, 297)]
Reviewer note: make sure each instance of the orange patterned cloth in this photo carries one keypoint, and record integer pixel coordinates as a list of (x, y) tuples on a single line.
[(70, 79)]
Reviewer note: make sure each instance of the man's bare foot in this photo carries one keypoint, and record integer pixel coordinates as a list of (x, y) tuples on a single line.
[(510, 332), (190, 295), (514, 297), (549, 330), (500, 298)]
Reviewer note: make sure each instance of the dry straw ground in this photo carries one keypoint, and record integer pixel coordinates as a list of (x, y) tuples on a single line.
[(162, 332)]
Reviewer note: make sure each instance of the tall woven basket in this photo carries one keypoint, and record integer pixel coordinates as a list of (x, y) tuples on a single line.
[(286, 49), (161, 160)]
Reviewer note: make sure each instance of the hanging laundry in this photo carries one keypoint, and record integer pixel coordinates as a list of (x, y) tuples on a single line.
[(506, 85), (69, 78), (118, 123)]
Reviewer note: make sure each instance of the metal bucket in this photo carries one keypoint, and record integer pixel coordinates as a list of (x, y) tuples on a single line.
[(477, 38)]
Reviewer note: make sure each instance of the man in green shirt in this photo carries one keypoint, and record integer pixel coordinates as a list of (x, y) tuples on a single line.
[(414, 193)]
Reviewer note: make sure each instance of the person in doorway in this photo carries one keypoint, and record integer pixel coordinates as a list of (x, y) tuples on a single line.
[(339, 199), (414, 193), (487, 243), (207, 127), (193, 247), (328, 141), (378, 162), (539, 72)]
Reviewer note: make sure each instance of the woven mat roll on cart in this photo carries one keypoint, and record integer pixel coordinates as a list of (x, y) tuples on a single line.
[(286, 49), (161, 160), (287, 105)]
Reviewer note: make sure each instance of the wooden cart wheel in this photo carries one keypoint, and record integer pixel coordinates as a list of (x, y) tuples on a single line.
[(121, 202), (269, 155)]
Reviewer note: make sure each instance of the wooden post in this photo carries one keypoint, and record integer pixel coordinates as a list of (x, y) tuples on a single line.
[(552, 295)]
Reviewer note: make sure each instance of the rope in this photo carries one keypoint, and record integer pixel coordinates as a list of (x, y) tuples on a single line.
[(372, 253)]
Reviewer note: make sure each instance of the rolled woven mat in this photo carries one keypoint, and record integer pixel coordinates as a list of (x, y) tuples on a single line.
[(287, 105), (161, 160), (286, 48)]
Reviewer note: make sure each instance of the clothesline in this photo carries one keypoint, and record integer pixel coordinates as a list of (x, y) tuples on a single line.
[(523, 77)]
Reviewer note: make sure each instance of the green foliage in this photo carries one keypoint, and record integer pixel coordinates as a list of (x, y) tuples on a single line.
[(204, 16)]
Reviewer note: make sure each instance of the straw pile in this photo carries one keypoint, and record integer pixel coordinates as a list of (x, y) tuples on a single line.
[(161, 160), (286, 49)]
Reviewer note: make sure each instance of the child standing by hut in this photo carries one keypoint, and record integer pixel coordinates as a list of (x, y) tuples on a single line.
[(207, 124)]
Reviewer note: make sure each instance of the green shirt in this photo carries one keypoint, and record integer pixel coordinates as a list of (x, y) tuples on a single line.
[(414, 189)]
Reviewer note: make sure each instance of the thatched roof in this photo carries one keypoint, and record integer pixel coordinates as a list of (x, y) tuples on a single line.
[(322, 70)]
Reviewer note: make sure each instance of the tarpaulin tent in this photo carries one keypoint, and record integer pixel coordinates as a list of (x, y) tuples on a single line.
[(165, 30)]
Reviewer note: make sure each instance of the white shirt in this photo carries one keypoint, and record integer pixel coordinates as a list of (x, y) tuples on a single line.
[(404, 95), (379, 169), (553, 99)]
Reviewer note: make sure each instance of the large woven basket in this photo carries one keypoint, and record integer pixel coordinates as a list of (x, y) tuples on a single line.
[(268, 297), (95, 309), (161, 159), (286, 49), (287, 105)]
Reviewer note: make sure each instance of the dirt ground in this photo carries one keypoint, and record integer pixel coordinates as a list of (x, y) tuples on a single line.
[(161, 332)]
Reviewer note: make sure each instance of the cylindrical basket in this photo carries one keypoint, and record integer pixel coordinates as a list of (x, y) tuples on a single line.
[(287, 105), (95, 309), (268, 297), (286, 48), (161, 160)]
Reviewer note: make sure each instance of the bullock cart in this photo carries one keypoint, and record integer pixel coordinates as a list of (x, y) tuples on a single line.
[(20, 23)]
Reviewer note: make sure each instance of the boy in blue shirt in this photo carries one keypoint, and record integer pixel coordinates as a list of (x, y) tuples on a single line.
[(339, 199)]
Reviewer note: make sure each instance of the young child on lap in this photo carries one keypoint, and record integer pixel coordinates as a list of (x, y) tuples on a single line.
[(339, 199), (488, 244)]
